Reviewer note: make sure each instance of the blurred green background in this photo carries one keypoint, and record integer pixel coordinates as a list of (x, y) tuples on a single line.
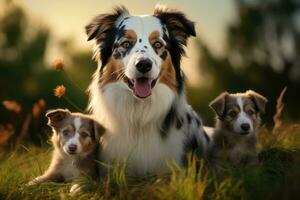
[(241, 45)]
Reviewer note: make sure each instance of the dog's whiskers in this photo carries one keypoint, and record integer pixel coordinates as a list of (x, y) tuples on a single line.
[(118, 70), (121, 76), (117, 73)]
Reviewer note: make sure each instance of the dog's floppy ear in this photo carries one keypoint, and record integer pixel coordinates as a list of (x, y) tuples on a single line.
[(100, 27), (176, 22), (56, 116), (218, 104), (99, 130), (103, 29), (259, 101)]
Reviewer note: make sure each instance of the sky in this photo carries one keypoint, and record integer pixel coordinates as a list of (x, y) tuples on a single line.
[(67, 18)]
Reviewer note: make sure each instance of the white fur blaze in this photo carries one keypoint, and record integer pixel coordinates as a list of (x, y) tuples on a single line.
[(242, 118), (75, 139)]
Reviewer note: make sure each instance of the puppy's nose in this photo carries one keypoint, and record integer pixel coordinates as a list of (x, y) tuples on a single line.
[(245, 126), (144, 66), (72, 148)]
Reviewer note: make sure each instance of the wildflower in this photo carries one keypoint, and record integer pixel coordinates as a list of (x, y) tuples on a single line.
[(58, 64), (12, 106), (59, 91), (42, 103), (37, 108)]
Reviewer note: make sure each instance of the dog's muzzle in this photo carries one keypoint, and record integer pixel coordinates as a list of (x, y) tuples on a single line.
[(143, 84)]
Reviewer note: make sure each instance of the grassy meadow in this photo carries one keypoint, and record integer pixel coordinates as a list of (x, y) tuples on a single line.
[(277, 176), (261, 52)]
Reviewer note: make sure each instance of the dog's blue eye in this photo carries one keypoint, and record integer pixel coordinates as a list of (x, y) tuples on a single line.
[(126, 44)]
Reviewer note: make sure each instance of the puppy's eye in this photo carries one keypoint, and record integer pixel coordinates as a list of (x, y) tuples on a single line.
[(157, 45), (66, 132), (232, 114), (84, 134), (126, 44)]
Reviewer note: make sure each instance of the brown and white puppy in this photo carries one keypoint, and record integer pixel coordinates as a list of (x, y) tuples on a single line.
[(234, 137), (76, 140)]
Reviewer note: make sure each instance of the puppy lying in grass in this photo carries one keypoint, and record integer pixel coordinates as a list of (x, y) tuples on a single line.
[(76, 142), (234, 137)]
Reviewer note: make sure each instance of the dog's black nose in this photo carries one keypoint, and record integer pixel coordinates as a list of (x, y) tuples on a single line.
[(245, 126), (144, 66), (72, 148)]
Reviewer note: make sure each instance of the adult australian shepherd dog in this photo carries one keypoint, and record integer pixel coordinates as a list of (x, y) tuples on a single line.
[(137, 92)]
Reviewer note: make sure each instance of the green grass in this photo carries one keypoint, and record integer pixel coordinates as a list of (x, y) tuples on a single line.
[(277, 176)]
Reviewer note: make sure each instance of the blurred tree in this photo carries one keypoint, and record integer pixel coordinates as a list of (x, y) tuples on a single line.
[(262, 53), (26, 78)]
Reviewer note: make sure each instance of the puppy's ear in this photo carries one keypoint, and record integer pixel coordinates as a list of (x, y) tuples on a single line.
[(259, 101), (99, 130), (218, 104), (176, 22), (55, 117)]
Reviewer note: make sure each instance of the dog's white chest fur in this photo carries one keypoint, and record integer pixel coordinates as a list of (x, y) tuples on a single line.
[(133, 128), (145, 152), (70, 170)]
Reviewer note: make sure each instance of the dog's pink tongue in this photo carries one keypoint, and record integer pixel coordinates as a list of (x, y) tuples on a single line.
[(142, 87)]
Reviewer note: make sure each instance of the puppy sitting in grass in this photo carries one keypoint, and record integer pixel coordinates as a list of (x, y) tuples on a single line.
[(234, 137), (76, 141)]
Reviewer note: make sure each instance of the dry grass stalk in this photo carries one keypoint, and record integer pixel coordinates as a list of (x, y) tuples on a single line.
[(277, 118), (24, 130)]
